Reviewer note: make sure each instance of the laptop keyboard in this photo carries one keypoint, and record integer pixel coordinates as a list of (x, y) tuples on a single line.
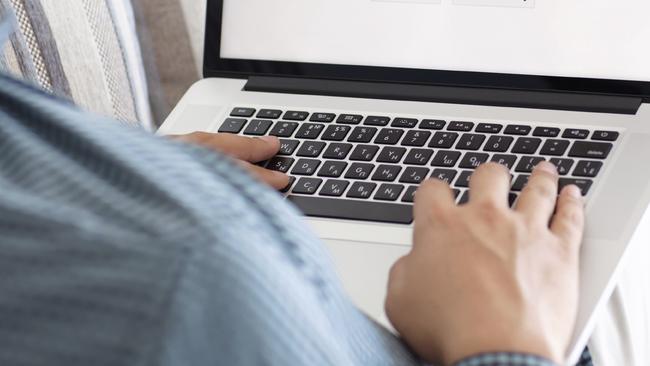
[(367, 167)]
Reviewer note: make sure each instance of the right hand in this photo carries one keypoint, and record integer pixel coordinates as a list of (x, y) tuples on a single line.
[(482, 277)]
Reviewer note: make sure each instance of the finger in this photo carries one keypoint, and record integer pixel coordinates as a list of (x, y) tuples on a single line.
[(490, 182), (569, 220), (432, 198), (537, 200), (396, 282), (239, 147), (275, 179)]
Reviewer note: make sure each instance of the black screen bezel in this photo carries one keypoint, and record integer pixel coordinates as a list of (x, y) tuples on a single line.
[(215, 66)]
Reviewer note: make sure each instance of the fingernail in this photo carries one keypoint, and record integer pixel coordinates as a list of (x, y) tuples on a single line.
[(573, 191), (269, 139), (547, 167)]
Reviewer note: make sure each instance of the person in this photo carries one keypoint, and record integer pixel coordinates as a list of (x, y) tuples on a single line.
[(122, 248)]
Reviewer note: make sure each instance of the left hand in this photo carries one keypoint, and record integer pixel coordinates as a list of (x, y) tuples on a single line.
[(245, 150)]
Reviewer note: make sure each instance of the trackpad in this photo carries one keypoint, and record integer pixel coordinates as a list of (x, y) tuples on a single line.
[(363, 268)]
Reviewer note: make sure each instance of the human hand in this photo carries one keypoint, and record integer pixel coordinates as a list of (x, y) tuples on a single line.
[(245, 150), (482, 277)]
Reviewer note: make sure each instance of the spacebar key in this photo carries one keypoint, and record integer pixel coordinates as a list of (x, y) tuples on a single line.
[(354, 210)]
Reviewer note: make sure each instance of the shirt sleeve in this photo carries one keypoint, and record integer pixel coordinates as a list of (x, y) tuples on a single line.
[(505, 359)]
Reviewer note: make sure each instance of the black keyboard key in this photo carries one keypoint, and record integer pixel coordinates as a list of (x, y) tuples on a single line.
[(505, 160), (242, 112), (489, 128), (280, 164), (309, 131), (605, 135), (498, 143), (335, 208), (389, 192), (286, 189), (520, 182), (404, 122), (296, 116), (574, 133), (305, 167), (588, 149), (563, 165), (517, 130), (464, 198), (432, 124), (446, 158), (307, 185), (232, 125), (546, 132), (445, 175), (336, 133), (473, 160), (443, 140), (528, 163), (364, 152), (386, 173), (334, 188), (414, 175), (337, 151), (389, 136), (361, 190), (332, 169), (409, 196), (258, 127), (390, 154), (349, 119), (460, 126), (463, 179), (418, 156), (512, 198), (287, 147), (362, 134), (583, 184), (526, 145), (376, 121), (416, 138), (587, 169), (311, 149), (555, 147), (269, 113), (322, 117), (470, 141), (284, 129), (359, 171)]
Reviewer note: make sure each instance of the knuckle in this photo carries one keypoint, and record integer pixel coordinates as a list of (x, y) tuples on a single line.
[(572, 216), (489, 208), (490, 212), (544, 189), (493, 166), (428, 187)]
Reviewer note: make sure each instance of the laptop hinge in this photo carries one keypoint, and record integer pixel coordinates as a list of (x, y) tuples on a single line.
[(448, 94)]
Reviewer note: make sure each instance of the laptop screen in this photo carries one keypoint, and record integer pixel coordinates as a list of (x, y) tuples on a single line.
[(600, 39)]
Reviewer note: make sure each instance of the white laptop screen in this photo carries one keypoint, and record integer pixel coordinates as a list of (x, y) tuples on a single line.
[(601, 39)]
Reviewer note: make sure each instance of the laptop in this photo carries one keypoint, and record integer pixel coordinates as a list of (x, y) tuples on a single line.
[(371, 97)]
